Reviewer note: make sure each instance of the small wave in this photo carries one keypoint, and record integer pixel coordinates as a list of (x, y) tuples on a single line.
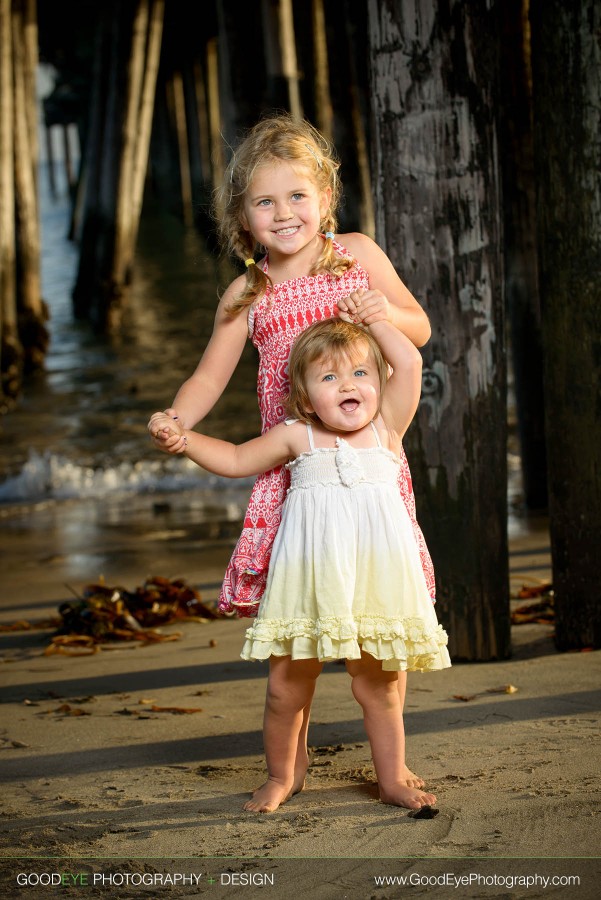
[(49, 476)]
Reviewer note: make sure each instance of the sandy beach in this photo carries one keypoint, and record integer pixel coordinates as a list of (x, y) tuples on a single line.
[(108, 783)]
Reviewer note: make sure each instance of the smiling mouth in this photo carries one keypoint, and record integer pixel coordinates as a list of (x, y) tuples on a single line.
[(349, 405), (286, 231)]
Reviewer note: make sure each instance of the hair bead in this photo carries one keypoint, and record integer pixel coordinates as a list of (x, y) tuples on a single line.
[(330, 235), (249, 262)]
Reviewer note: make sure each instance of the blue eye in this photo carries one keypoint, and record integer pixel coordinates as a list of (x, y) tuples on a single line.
[(360, 372), (298, 196), (328, 378)]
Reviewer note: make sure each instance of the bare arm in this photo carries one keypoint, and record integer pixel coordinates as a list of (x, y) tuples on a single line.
[(260, 454), (199, 393), (403, 388), (401, 307)]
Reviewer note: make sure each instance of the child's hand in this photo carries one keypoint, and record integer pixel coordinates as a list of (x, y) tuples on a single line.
[(167, 433), (348, 307), (365, 307), (374, 307)]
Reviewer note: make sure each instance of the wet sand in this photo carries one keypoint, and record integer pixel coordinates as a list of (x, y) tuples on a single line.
[(98, 784)]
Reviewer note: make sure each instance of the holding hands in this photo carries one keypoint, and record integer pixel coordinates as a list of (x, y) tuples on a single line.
[(167, 432), (365, 307)]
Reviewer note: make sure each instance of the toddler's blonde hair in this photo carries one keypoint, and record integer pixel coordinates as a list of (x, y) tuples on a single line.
[(328, 339), (276, 138)]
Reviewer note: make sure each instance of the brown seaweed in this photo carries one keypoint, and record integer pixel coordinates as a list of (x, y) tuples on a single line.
[(103, 613)]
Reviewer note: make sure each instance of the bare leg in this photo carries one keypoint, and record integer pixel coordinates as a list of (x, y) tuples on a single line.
[(301, 761), (290, 688), (378, 694), (411, 779)]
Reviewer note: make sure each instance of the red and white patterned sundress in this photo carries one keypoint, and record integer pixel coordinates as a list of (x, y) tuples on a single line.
[(274, 322)]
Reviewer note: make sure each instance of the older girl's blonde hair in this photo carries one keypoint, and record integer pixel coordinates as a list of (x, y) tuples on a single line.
[(328, 339), (277, 138)]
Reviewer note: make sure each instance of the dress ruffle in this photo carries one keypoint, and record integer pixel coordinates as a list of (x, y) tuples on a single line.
[(401, 644)]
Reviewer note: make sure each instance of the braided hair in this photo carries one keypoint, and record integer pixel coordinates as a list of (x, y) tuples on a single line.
[(276, 138)]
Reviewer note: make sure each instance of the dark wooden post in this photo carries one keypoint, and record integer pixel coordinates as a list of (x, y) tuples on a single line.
[(181, 131), (32, 312), (242, 78), (89, 222), (521, 263), (288, 51), (566, 67), (434, 91), (50, 159), (324, 113), (31, 56), (134, 138), (360, 113), (202, 115), (213, 96), (277, 93), (145, 117), (122, 250), (116, 153), (11, 351), (349, 95)]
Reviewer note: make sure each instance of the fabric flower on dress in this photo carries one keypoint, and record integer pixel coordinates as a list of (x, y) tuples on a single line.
[(347, 463)]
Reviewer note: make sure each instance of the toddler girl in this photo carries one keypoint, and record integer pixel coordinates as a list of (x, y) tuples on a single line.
[(345, 578)]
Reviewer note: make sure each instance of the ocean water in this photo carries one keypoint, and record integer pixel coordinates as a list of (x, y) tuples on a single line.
[(79, 429)]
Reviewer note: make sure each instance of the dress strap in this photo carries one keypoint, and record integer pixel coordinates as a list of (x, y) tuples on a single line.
[(310, 436), (375, 431)]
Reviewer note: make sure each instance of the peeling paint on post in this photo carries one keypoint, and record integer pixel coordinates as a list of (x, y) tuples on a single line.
[(434, 80)]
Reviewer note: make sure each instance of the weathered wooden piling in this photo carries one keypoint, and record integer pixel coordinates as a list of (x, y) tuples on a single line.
[(566, 63), (439, 219)]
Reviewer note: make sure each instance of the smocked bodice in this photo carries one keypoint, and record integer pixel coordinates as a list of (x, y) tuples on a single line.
[(344, 465)]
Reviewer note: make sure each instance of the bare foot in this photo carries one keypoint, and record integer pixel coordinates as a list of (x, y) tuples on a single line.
[(402, 795), (412, 780), (301, 764), (268, 797), (297, 785)]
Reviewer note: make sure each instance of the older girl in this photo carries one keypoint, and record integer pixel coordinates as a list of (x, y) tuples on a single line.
[(277, 213)]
